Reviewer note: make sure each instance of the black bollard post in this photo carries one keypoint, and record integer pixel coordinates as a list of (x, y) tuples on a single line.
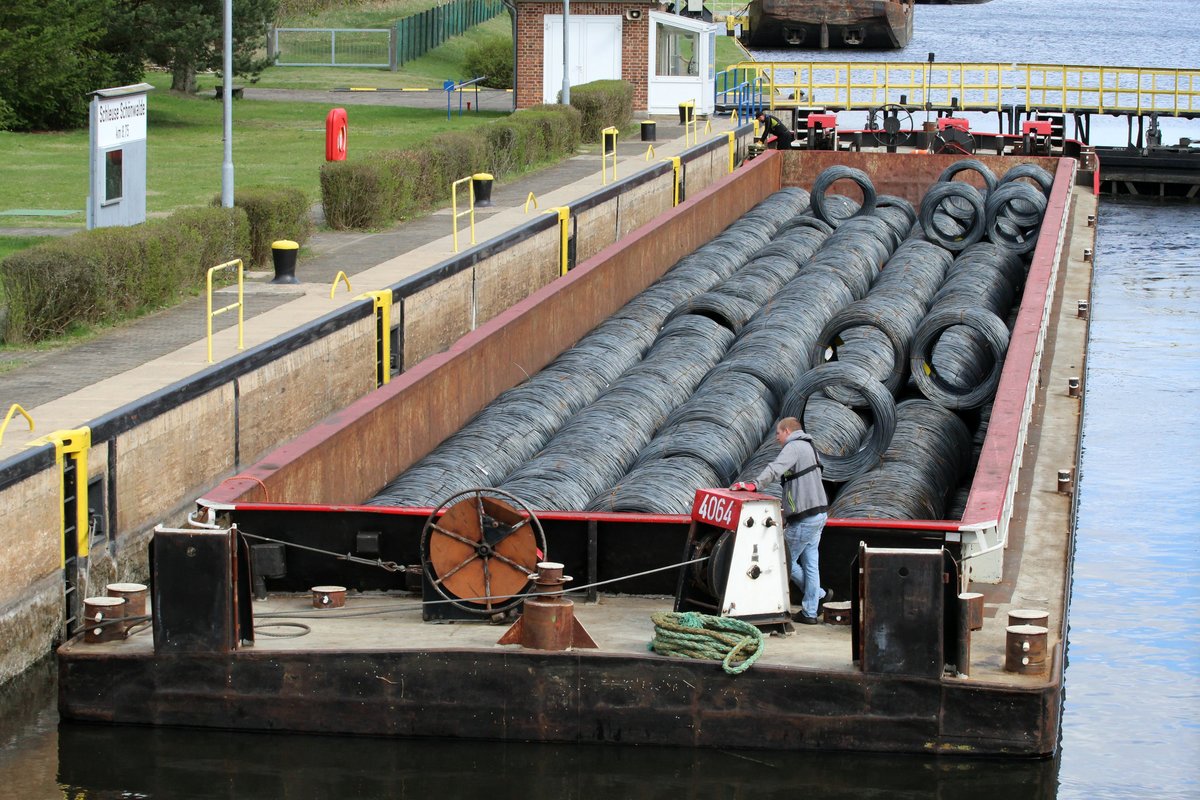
[(283, 253), (481, 184)]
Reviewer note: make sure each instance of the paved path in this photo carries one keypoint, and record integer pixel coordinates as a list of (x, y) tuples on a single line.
[(70, 385)]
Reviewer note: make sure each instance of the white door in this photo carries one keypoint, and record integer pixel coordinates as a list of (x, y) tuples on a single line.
[(594, 51)]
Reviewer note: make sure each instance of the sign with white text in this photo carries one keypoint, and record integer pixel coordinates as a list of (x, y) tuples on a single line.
[(120, 120)]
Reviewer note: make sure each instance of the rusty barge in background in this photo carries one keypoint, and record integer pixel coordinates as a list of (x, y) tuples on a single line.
[(830, 24)]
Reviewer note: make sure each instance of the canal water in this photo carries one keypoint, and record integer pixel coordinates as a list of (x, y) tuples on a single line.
[(1132, 689)]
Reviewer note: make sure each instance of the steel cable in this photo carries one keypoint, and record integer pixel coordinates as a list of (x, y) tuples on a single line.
[(819, 202), (946, 199)]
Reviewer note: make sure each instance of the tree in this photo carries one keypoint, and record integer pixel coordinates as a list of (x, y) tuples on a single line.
[(52, 53), (188, 35)]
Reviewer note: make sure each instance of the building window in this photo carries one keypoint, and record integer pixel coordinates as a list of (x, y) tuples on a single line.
[(113, 182), (677, 52)]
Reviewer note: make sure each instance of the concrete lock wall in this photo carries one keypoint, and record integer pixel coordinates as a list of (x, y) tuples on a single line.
[(156, 456)]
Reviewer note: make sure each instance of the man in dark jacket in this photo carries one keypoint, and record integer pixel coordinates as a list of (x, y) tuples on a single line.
[(804, 502), (772, 126)]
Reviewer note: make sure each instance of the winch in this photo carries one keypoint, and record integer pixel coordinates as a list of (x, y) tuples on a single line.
[(744, 573)]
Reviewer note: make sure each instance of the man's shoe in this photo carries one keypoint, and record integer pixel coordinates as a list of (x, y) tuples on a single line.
[(804, 619), (828, 598)]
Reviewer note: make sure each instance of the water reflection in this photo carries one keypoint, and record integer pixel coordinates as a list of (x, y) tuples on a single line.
[(178, 764)]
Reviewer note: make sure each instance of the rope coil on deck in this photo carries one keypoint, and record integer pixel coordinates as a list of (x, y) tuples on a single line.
[(691, 634)]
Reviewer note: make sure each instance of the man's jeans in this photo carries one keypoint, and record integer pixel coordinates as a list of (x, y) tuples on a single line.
[(803, 538)]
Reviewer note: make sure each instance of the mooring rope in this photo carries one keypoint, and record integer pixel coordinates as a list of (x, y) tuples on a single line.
[(691, 634)]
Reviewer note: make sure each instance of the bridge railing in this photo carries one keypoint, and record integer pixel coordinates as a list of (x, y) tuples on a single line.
[(979, 86)]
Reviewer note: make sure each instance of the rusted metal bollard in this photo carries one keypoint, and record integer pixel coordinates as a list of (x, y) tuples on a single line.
[(1073, 387), (1064, 481), (328, 596), (104, 619), (837, 612), (1081, 309), (134, 594), (970, 618), (1028, 616), (1025, 650), (547, 618)]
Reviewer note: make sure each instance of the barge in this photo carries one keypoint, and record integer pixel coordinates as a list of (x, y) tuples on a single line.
[(826, 24), (413, 654)]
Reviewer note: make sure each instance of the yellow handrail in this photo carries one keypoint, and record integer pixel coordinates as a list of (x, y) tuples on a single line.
[(607, 134), (341, 276), (649, 152), (979, 86), (732, 149), (564, 214), (530, 199), (15, 409), (383, 315), (677, 168), (74, 443), (689, 122), (239, 305), (454, 212)]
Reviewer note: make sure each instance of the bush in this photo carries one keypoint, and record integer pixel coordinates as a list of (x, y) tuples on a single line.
[(603, 104), (400, 182), (492, 57), (108, 274), (274, 213)]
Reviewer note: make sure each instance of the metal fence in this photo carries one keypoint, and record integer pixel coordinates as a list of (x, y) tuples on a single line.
[(419, 33), (333, 47)]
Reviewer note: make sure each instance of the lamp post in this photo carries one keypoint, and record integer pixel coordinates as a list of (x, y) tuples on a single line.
[(566, 87), (227, 94)]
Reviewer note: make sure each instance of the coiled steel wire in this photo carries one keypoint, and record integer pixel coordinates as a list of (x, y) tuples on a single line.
[(969, 165), (829, 176), (968, 381), (835, 466), (660, 486), (918, 472), (1014, 216), (1043, 179), (943, 204)]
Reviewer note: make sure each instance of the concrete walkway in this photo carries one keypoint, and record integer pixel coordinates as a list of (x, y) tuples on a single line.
[(68, 386)]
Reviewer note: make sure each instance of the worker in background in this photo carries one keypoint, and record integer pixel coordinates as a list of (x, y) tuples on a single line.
[(798, 468), (772, 126)]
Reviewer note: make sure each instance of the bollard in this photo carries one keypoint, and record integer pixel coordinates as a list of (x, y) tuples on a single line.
[(1087, 254), (1028, 616), (103, 618), (134, 594), (328, 596), (686, 113), (1073, 387), (547, 618), (1025, 649), (649, 130), (1091, 220), (481, 182), (1064, 481), (283, 253), (836, 612), (1081, 309)]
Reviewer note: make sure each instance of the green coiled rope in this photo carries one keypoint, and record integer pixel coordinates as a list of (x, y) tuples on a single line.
[(690, 634)]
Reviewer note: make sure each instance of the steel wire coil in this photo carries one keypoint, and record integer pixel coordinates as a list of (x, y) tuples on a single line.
[(981, 284), (969, 165), (917, 474), (873, 333), (990, 256), (1043, 179), (661, 486), (819, 202), (802, 222), (938, 199), (892, 201), (728, 310), (928, 365), (840, 467), (1014, 216)]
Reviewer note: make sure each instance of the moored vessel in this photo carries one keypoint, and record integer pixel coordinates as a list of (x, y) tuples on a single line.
[(831, 24)]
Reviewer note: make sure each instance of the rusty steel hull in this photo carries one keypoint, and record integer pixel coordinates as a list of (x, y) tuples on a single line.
[(573, 697), (826, 24)]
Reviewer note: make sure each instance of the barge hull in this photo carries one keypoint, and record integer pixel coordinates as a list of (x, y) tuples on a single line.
[(848, 24)]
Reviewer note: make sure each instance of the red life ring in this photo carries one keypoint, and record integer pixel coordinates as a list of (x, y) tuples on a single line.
[(336, 134)]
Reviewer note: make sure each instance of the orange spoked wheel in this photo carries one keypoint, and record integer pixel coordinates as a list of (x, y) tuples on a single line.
[(479, 550)]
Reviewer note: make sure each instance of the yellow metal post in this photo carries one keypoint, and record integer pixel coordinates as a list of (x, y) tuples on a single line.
[(564, 214), (732, 148), (15, 409), (383, 318), (341, 276), (74, 444), (528, 200), (649, 152), (239, 305), (607, 135), (455, 213)]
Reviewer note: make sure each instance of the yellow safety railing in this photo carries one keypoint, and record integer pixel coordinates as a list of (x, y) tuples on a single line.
[(687, 110), (979, 86), (649, 152), (455, 213), (15, 409), (383, 320), (677, 171), (608, 147), (732, 149), (72, 444), (530, 199), (341, 276), (564, 215), (239, 305)]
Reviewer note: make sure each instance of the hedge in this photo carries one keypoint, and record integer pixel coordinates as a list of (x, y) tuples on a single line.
[(274, 213), (109, 274), (603, 104), (397, 183)]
